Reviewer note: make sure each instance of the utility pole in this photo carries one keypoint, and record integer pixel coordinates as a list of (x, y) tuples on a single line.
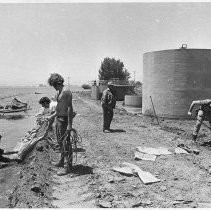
[(134, 72), (68, 79)]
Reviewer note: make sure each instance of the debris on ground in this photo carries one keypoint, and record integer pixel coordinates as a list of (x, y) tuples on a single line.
[(104, 204), (146, 177), (131, 169), (163, 188), (182, 202), (154, 151), (144, 156), (123, 170), (179, 150), (115, 179), (188, 149), (142, 203)]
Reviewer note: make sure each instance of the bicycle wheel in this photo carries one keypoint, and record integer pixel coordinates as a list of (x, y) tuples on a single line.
[(69, 154)]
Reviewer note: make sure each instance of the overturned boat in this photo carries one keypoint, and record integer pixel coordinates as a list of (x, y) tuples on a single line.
[(14, 106)]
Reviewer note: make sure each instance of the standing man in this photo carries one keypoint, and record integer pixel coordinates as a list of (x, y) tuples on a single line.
[(204, 112), (63, 114), (108, 102)]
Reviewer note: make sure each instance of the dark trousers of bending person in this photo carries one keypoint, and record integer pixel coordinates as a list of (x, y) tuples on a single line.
[(201, 116), (108, 114)]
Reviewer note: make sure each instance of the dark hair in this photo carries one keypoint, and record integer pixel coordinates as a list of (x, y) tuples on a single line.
[(55, 79), (44, 100)]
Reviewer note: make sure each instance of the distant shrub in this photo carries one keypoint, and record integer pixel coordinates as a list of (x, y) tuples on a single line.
[(112, 68), (138, 83), (132, 82), (86, 86)]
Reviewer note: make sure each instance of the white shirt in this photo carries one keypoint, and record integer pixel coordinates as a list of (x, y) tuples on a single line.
[(47, 111), (52, 106)]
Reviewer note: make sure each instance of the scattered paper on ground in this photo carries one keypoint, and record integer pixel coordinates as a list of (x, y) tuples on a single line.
[(154, 151), (146, 177), (189, 150), (144, 156), (123, 170), (179, 150)]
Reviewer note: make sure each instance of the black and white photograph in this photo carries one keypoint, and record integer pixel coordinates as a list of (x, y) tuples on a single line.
[(105, 104)]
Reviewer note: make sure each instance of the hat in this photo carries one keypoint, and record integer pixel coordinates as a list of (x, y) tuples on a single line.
[(110, 83)]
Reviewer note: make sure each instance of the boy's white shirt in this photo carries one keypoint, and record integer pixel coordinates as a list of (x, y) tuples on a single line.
[(47, 111), (43, 111), (52, 106)]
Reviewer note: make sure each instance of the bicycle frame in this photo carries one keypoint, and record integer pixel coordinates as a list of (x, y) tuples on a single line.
[(68, 151)]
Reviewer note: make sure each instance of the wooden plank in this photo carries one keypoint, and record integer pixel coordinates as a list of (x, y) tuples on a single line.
[(146, 177), (144, 156)]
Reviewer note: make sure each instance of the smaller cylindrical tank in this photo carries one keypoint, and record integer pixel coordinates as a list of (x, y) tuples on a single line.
[(133, 100), (95, 92)]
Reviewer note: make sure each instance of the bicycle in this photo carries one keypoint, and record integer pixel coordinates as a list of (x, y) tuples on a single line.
[(69, 145)]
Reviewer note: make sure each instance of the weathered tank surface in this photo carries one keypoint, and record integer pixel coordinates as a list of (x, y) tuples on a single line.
[(133, 100), (174, 78)]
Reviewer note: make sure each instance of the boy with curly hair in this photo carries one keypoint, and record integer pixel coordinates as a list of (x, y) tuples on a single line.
[(64, 115)]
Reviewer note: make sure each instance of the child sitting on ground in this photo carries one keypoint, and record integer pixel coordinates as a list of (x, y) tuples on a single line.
[(48, 108)]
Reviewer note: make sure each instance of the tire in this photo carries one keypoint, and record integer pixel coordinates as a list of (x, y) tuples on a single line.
[(69, 154)]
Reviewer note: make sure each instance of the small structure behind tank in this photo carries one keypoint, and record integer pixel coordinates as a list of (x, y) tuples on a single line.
[(95, 91), (133, 100), (121, 88)]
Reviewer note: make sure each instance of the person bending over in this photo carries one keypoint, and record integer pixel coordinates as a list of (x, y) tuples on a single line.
[(204, 113)]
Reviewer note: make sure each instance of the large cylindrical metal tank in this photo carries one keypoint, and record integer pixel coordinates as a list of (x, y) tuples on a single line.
[(133, 100), (174, 78)]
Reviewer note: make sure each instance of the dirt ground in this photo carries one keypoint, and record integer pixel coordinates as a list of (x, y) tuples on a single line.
[(185, 178)]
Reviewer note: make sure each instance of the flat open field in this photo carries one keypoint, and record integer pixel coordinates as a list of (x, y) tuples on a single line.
[(185, 180)]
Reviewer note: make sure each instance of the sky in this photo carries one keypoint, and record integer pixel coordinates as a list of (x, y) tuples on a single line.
[(72, 39)]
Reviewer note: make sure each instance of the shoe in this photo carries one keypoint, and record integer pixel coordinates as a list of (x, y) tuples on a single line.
[(106, 131), (194, 137), (59, 164), (63, 172)]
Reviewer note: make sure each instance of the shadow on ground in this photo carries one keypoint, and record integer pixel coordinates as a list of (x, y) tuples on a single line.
[(206, 144), (82, 170), (117, 131), (79, 150)]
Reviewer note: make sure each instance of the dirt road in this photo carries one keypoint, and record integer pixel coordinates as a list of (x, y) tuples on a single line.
[(185, 178)]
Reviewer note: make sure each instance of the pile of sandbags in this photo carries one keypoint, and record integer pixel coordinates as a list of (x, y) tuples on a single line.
[(26, 145)]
